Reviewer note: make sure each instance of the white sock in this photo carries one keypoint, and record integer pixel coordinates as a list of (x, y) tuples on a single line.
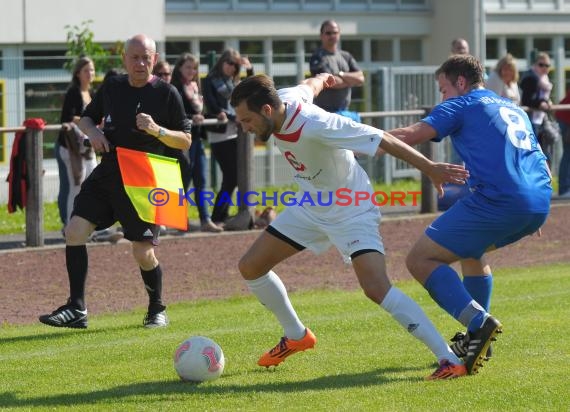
[(414, 320), (271, 292)]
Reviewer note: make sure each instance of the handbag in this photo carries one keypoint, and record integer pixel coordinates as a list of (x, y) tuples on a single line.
[(549, 131)]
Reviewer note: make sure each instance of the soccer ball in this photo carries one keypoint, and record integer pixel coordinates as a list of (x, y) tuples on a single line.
[(199, 359)]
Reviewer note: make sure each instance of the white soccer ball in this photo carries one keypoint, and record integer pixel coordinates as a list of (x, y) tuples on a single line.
[(199, 359)]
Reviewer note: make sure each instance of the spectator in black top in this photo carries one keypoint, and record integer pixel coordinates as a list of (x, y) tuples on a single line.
[(142, 113)]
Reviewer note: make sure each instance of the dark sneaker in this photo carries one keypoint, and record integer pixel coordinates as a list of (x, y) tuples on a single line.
[(460, 345), (447, 370), (66, 316), (479, 341), (155, 320)]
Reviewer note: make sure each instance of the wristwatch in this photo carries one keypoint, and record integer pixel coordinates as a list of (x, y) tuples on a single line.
[(340, 74), (161, 132)]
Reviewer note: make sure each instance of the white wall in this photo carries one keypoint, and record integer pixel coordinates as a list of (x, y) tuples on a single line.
[(43, 21)]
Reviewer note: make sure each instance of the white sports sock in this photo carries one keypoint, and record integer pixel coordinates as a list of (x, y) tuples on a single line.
[(414, 320), (271, 292)]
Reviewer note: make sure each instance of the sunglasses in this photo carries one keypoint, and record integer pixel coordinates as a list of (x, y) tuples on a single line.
[(232, 63), (164, 74), (543, 65), (331, 33)]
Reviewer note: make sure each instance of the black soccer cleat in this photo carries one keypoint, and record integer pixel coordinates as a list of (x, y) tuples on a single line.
[(459, 346), (478, 343), (66, 316)]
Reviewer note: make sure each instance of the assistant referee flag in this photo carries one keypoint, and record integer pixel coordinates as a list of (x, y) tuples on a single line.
[(152, 182)]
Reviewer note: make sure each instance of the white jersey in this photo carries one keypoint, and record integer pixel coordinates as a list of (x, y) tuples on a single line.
[(319, 146)]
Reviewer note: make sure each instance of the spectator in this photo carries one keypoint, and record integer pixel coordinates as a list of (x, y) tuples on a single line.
[(186, 80), (140, 113), (504, 79), (319, 146), (563, 117), (329, 58), (459, 46), (162, 69), (217, 89), (75, 159), (536, 88)]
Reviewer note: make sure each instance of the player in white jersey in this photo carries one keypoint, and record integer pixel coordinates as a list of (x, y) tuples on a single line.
[(319, 146)]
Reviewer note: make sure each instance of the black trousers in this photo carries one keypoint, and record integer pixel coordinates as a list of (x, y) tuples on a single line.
[(225, 153)]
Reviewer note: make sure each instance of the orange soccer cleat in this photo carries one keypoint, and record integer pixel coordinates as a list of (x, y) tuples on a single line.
[(287, 347), (447, 370)]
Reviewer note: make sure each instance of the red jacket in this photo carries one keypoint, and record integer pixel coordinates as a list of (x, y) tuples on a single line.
[(564, 115)]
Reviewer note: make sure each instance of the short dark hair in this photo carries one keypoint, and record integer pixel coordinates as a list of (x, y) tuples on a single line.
[(462, 65), (256, 91), (327, 23)]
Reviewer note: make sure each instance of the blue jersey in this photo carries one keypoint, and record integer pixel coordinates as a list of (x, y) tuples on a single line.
[(495, 139)]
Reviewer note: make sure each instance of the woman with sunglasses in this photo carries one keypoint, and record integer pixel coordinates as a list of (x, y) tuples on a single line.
[(536, 88), (217, 88)]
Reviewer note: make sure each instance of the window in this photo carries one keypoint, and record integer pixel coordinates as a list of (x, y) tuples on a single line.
[(382, 50), (411, 50), (310, 47), (543, 45), (44, 59), (354, 47), (492, 46), (516, 48), (215, 4), (45, 100), (253, 49), (210, 51), (174, 49), (1, 60), (284, 81), (567, 47), (283, 51)]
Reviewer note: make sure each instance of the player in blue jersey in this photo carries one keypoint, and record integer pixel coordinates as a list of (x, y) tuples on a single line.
[(510, 187)]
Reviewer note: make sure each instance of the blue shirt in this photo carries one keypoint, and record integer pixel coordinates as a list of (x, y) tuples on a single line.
[(495, 139)]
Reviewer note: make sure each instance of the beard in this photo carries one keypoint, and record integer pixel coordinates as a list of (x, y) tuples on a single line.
[(266, 130)]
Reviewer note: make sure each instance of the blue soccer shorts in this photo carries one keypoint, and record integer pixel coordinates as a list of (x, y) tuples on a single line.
[(470, 227)]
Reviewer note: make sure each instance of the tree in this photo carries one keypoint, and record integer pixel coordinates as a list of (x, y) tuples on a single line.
[(80, 43)]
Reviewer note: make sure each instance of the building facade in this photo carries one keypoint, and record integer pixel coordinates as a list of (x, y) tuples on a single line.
[(277, 35)]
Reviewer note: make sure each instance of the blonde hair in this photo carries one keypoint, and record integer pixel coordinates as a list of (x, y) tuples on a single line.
[(507, 61)]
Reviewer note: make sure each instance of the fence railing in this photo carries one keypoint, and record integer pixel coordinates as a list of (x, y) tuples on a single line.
[(34, 163)]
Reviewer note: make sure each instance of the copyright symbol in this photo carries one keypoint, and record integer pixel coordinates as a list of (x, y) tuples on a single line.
[(158, 197)]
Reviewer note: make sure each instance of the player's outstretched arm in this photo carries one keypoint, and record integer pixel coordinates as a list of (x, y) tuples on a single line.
[(439, 173), (417, 133), (320, 82)]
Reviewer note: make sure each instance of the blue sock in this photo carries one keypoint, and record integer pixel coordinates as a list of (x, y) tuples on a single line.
[(445, 287), (480, 288)]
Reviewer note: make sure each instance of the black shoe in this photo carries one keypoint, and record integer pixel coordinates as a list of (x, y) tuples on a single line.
[(156, 320), (66, 316), (156, 316), (460, 345), (478, 343)]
